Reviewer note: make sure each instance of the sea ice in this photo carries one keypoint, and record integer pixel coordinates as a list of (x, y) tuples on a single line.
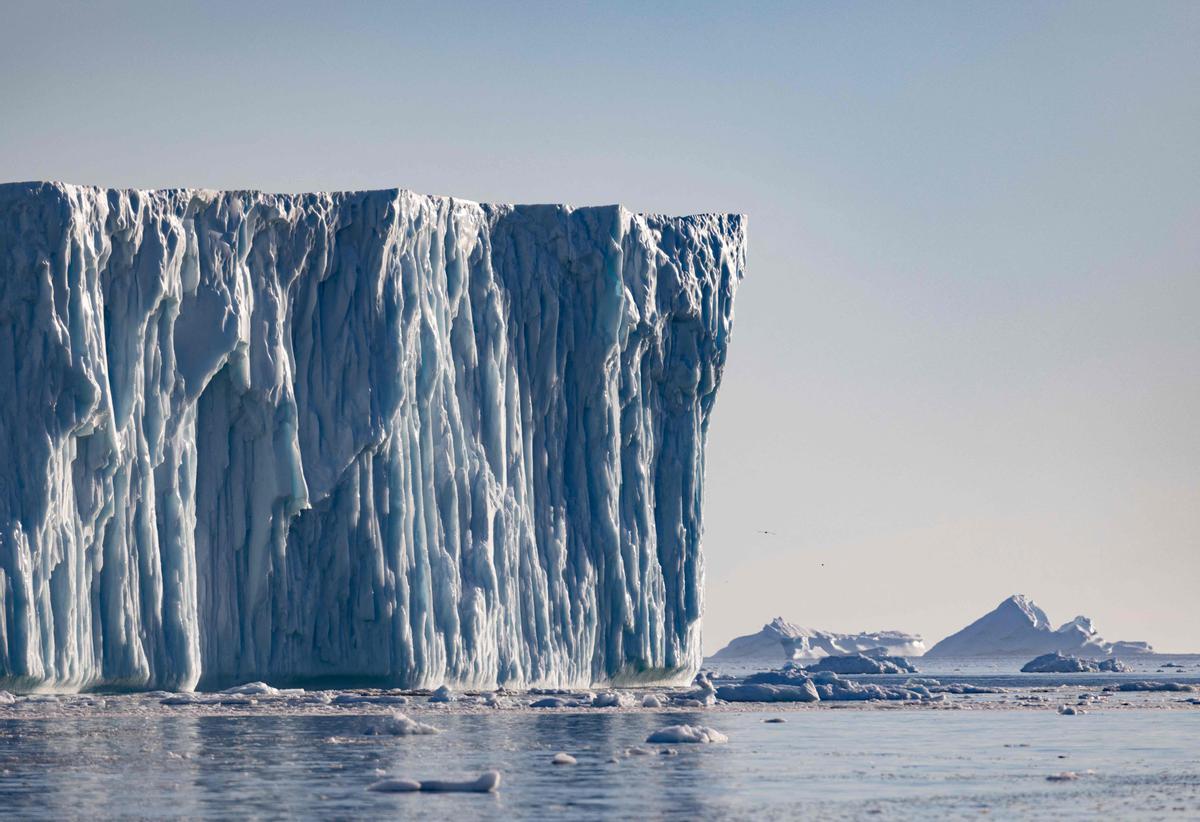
[(562, 758)]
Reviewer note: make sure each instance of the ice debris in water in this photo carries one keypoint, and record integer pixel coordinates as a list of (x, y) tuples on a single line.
[(651, 701), (6, 698), (1065, 776), (370, 699), (1070, 710), (549, 702), (400, 725), (371, 435), (612, 699), (687, 733), (806, 692), (1178, 687), (487, 782), (442, 694), (261, 689), (562, 758)]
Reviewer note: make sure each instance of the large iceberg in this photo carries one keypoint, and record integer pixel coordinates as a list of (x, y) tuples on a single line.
[(780, 639), (1017, 626), (375, 437)]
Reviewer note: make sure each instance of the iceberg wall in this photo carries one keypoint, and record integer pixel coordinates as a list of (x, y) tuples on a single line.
[(374, 437)]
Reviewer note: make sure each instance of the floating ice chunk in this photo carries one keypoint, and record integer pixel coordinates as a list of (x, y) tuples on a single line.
[(651, 701), (687, 733), (1056, 663), (612, 699), (487, 782), (1177, 687), (769, 693), (180, 699), (371, 699), (562, 758), (638, 751), (395, 786), (442, 694), (7, 698), (549, 702), (1065, 776), (400, 725), (1069, 710), (863, 664), (252, 689)]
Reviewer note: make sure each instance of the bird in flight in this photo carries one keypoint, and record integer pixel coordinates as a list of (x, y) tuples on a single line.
[(769, 533)]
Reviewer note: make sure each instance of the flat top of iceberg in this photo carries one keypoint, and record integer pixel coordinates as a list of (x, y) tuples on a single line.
[(209, 193)]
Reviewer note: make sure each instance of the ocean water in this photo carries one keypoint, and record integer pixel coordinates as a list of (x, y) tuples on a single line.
[(129, 757)]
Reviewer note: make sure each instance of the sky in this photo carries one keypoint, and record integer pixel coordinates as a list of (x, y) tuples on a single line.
[(966, 356)]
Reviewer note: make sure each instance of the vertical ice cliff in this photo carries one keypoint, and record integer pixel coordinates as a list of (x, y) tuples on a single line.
[(373, 437)]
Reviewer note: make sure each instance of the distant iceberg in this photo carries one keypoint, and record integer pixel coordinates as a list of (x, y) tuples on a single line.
[(781, 640), (1019, 627)]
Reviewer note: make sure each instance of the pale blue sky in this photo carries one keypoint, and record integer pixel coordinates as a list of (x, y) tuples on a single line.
[(967, 354)]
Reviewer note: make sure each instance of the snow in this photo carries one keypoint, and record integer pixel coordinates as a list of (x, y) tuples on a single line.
[(675, 734), (370, 435), (1018, 626), (779, 639)]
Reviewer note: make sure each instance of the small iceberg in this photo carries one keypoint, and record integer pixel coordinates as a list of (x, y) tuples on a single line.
[(674, 734), (562, 758), (442, 694), (1057, 663), (253, 689), (863, 664), (754, 692)]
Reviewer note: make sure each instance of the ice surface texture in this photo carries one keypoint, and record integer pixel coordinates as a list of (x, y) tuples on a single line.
[(370, 436)]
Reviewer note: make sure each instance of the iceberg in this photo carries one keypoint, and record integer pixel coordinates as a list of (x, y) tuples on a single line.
[(371, 437), (1056, 663), (1018, 626), (782, 639)]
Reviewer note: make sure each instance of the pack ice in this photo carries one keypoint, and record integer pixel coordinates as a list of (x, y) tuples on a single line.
[(370, 436)]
